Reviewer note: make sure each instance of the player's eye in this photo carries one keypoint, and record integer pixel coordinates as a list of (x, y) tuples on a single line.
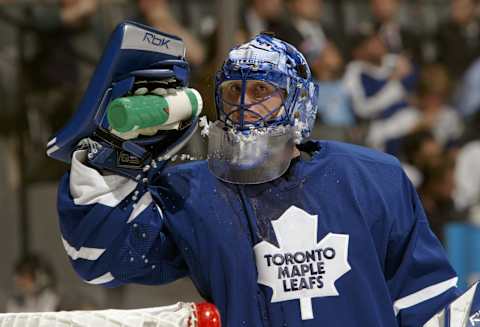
[(231, 91), (261, 91), (235, 89)]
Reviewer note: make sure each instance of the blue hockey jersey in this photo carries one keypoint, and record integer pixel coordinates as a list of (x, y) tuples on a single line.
[(340, 240)]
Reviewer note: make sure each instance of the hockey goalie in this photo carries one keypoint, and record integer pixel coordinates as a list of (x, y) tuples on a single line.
[(273, 228)]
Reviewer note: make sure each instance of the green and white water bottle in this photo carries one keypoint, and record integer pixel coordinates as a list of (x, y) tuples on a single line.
[(146, 114)]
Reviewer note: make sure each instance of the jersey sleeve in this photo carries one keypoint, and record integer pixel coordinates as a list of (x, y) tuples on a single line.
[(419, 277), (113, 231)]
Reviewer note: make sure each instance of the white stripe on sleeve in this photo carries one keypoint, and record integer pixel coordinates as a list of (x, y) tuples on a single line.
[(423, 295), (105, 278), (83, 253)]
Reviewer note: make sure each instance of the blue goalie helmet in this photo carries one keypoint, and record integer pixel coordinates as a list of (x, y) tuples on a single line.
[(257, 71), (266, 102)]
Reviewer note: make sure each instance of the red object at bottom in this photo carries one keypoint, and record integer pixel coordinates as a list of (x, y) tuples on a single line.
[(207, 315)]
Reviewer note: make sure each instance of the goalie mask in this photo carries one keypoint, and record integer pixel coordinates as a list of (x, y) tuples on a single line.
[(266, 102)]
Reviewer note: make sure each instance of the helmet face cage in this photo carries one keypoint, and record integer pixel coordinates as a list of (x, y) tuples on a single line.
[(239, 112), (279, 64)]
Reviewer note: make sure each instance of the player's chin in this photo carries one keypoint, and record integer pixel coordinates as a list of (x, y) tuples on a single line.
[(247, 119)]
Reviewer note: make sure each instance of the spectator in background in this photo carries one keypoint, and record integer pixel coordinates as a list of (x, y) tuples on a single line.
[(467, 97), (458, 40), (334, 102), (51, 79), (434, 113), (34, 286), (379, 82), (73, 12), (436, 192), (472, 128), (334, 109), (305, 18), (380, 85), (259, 14), (267, 15), (467, 172), (419, 150), (467, 177), (52, 69), (396, 38), (8, 70), (158, 14)]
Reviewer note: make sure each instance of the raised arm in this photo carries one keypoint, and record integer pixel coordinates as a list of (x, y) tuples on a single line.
[(136, 113)]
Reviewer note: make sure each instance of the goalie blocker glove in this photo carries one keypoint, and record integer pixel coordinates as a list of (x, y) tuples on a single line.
[(139, 65)]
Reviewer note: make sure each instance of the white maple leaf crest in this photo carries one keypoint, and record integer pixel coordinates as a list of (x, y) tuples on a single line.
[(301, 268)]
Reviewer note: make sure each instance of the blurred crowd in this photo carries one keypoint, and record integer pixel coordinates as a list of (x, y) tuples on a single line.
[(35, 289), (411, 93)]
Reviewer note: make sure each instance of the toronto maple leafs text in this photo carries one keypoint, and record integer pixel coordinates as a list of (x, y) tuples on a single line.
[(301, 270)]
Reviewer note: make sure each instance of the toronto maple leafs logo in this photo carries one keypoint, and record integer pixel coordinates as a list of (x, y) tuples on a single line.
[(301, 268)]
